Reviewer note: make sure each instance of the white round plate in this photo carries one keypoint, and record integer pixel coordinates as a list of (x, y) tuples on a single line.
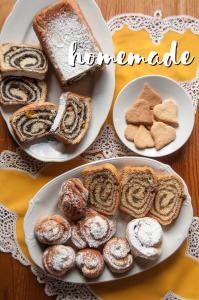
[(45, 203), (100, 87), (167, 88)]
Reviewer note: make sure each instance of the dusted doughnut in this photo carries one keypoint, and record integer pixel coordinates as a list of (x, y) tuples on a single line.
[(117, 255), (90, 262), (96, 230), (168, 199), (145, 237), (52, 230), (58, 260)]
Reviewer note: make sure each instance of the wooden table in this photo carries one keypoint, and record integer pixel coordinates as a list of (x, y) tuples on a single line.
[(16, 281)]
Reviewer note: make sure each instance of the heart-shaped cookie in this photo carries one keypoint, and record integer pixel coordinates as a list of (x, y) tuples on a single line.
[(143, 138), (139, 113), (130, 132), (150, 95), (162, 134), (167, 112)]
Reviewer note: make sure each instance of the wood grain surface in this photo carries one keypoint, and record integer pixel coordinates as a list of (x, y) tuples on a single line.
[(16, 281)]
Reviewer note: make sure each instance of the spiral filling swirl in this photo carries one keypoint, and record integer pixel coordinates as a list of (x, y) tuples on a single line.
[(26, 58), (74, 119), (97, 230), (138, 192), (103, 190), (35, 123), (168, 199), (19, 90)]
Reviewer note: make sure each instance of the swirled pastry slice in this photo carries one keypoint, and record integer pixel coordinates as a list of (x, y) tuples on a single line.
[(138, 186), (22, 91), (23, 60), (33, 121), (168, 199), (102, 182), (73, 118), (145, 238)]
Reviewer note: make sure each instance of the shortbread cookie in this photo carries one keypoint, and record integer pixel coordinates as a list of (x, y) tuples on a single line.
[(102, 182), (23, 60), (167, 112), (138, 186), (130, 132), (22, 90), (57, 27), (150, 95), (143, 138), (162, 134), (168, 199), (145, 238), (139, 113), (33, 121), (73, 118)]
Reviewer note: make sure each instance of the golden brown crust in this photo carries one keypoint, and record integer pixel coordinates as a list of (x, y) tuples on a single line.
[(181, 198), (39, 24)]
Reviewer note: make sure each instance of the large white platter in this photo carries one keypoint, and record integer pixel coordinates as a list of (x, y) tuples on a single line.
[(45, 203), (18, 28)]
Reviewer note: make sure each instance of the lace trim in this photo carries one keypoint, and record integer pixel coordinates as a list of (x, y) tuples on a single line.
[(171, 296), (155, 25), (192, 88), (107, 145), (20, 161), (193, 240), (64, 290), (8, 239)]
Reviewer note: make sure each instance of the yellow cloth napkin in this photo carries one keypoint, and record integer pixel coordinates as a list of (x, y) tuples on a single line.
[(179, 273)]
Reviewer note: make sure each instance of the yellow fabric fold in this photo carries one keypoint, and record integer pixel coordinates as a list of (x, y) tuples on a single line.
[(179, 273)]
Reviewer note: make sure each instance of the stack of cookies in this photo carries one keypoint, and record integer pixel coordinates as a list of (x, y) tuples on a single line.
[(151, 122), (85, 235)]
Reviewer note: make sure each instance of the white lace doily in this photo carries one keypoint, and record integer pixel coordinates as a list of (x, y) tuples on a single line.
[(155, 25), (107, 145), (172, 296)]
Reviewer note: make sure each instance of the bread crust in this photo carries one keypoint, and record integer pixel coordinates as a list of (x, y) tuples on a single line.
[(39, 24)]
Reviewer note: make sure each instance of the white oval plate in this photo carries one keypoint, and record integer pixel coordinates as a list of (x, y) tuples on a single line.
[(45, 203), (167, 88), (100, 87)]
